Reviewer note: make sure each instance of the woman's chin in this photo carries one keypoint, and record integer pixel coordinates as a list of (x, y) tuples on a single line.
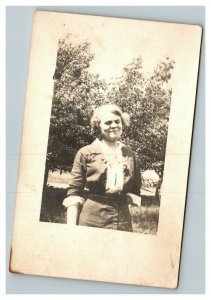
[(113, 139)]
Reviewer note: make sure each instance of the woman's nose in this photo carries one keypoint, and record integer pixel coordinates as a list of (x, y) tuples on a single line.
[(113, 124)]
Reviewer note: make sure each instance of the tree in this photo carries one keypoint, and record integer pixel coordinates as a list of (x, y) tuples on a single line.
[(148, 99), (77, 92)]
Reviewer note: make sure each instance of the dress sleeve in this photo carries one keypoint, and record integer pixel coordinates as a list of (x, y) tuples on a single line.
[(78, 175), (137, 177)]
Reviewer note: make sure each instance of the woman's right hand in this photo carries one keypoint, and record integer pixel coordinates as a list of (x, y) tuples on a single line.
[(72, 200), (73, 206)]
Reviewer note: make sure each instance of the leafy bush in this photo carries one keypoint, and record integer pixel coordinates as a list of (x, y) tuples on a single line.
[(150, 178)]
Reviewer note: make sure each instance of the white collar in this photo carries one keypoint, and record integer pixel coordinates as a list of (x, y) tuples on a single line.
[(98, 142)]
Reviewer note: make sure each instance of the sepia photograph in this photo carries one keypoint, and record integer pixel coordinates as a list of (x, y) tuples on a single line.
[(105, 149), (107, 137)]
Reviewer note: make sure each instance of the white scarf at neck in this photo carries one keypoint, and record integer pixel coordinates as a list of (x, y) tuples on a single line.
[(115, 179)]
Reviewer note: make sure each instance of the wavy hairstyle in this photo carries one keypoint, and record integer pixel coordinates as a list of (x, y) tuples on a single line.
[(111, 108)]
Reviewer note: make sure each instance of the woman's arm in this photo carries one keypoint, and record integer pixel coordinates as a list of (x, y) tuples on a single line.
[(76, 187), (134, 196), (78, 175), (137, 178)]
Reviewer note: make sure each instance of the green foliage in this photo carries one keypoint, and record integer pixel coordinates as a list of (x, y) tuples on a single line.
[(77, 92)]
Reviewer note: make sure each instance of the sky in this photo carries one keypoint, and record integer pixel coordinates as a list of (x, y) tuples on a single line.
[(115, 42)]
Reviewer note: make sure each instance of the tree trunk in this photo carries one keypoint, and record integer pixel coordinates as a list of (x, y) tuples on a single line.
[(46, 176)]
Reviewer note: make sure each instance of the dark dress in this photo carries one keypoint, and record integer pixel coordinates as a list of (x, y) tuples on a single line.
[(88, 179)]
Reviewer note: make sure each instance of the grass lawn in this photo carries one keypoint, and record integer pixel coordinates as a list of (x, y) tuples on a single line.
[(145, 219)]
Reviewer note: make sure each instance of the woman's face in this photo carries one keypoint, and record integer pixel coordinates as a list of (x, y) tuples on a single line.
[(111, 127)]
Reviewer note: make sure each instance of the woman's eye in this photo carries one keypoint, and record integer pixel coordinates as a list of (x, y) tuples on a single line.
[(117, 121), (108, 123)]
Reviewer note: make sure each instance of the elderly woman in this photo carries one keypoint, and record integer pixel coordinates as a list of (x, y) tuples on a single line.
[(105, 174)]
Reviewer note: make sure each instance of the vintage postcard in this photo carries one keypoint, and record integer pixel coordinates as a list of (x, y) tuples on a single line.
[(105, 149)]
